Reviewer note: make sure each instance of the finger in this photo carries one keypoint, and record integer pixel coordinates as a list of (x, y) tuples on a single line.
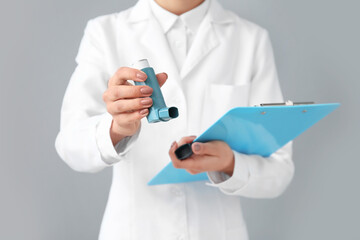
[(193, 172), (188, 164), (161, 77), (128, 105), (125, 73), (199, 163), (208, 148), (126, 118), (172, 149), (175, 161), (185, 140), (126, 92)]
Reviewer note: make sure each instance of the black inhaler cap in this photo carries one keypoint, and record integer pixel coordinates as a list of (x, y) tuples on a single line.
[(184, 151)]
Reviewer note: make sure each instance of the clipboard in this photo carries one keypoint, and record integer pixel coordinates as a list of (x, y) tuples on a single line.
[(260, 130)]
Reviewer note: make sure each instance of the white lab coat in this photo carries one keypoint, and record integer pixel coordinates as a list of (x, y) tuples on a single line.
[(230, 64)]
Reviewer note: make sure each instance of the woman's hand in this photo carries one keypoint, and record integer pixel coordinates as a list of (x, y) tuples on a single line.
[(207, 157), (127, 103)]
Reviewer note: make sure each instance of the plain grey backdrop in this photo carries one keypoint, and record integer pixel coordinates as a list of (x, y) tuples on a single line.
[(316, 43)]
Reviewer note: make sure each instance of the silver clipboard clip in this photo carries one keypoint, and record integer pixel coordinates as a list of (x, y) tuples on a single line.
[(287, 103)]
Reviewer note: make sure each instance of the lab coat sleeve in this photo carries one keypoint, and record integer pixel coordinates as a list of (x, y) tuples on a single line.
[(256, 176), (84, 141)]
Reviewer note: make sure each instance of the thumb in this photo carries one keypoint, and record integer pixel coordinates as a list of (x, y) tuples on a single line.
[(161, 77)]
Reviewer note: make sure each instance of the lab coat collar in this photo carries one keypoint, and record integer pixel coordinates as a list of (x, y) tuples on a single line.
[(206, 38), (217, 14), (154, 44), (140, 12), (166, 18), (157, 49), (205, 41)]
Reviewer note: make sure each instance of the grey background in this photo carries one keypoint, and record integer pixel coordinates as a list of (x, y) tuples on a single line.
[(317, 53)]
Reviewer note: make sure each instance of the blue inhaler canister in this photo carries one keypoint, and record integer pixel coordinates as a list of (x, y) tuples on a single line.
[(158, 111)]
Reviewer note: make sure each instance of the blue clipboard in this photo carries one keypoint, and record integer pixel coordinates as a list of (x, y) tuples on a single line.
[(252, 130)]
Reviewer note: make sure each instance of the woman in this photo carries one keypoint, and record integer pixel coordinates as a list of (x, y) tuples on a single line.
[(214, 61)]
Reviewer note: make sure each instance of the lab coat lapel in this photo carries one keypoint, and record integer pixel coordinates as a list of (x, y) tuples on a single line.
[(153, 43), (205, 41)]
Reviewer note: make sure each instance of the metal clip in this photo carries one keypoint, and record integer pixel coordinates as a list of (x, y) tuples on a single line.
[(287, 103)]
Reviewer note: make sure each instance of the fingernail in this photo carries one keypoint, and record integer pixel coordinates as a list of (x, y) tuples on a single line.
[(172, 144), (141, 76), (197, 147), (144, 112), (146, 102), (146, 90)]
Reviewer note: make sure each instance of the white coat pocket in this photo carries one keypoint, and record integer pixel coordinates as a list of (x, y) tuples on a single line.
[(220, 98)]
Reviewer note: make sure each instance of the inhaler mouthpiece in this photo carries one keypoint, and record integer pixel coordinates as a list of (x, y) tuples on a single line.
[(165, 114)]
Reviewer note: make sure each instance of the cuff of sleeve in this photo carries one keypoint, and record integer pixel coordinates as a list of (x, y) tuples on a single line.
[(108, 152), (238, 180), (123, 147)]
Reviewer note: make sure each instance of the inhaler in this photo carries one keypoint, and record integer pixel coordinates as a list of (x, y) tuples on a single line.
[(158, 111)]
